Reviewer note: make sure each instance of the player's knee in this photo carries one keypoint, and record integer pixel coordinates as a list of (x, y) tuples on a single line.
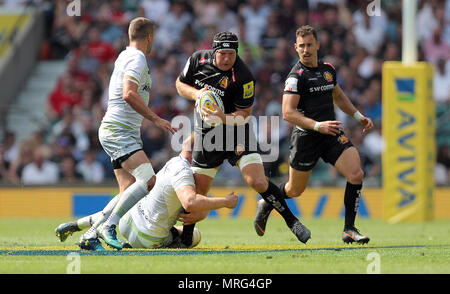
[(258, 184), (294, 191), (356, 177), (145, 175)]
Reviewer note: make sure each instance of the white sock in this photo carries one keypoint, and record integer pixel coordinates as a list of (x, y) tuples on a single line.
[(127, 200), (90, 234), (98, 218), (88, 221), (108, 208)]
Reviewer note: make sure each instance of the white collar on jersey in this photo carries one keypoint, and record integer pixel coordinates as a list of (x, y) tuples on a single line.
[(182, 157), (134, 48)]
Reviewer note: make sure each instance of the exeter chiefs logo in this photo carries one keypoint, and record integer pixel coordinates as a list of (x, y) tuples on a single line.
[(342, 139), (224, 82), (239, 149), (328, 76)]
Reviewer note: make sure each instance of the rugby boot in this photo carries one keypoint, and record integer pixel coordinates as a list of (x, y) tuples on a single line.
[(65, 230), (262, 215), (350, 235), (92, 244), (109, 235), (303, 233)]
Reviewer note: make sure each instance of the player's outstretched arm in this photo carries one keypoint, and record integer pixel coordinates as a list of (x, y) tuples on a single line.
[(193, 202), (132, 97), (344, 103)]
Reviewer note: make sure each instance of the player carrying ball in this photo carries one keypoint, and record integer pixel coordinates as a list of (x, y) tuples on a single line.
[(222, 71)]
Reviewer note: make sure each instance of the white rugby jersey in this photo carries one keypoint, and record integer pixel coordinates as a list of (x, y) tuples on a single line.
[(131, 62), (157, 212)]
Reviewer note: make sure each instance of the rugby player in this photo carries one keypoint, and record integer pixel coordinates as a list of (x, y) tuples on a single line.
[(119, 132), (222, 71), (151, 222), (310, 93)]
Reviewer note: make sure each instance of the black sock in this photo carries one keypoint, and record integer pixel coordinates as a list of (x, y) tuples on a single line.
[(188, 232), (351, 203), (174, 232), (273, 196), (283, 190)]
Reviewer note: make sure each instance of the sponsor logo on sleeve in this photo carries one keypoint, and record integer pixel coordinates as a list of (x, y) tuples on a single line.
[(291, 84), (249, 90)]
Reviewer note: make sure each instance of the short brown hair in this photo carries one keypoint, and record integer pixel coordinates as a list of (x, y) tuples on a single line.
[(140, 28), (306, 30)]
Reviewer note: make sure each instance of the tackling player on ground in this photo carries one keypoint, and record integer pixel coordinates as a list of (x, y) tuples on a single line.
[(120, 134), (309, 96), (222, 71), (151, 222)]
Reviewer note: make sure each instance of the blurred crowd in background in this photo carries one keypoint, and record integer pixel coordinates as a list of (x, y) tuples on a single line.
[(67, 150)]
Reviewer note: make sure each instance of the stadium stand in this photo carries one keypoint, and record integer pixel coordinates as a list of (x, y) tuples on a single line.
[(21, 36), (69, 85)]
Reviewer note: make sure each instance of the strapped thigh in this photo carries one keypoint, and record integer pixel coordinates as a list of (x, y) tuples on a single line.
[(249, 159), (143, 173), (210, 172)]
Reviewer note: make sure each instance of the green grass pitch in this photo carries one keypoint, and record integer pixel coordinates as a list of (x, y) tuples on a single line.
[(230, 246)]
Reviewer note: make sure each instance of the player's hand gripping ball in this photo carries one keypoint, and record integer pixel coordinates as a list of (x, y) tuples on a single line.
[(207, 100)]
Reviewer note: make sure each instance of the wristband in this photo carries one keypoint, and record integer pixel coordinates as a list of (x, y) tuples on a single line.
[(317, 125), (358, 116)]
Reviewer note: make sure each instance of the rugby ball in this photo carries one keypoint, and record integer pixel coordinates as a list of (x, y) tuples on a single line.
[(196, 237), (207, 100)]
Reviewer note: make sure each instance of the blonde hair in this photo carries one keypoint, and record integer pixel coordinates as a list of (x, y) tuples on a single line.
[(140, 28)]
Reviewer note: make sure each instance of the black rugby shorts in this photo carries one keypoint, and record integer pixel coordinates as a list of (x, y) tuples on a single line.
[(306, 147), (243, 143)]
